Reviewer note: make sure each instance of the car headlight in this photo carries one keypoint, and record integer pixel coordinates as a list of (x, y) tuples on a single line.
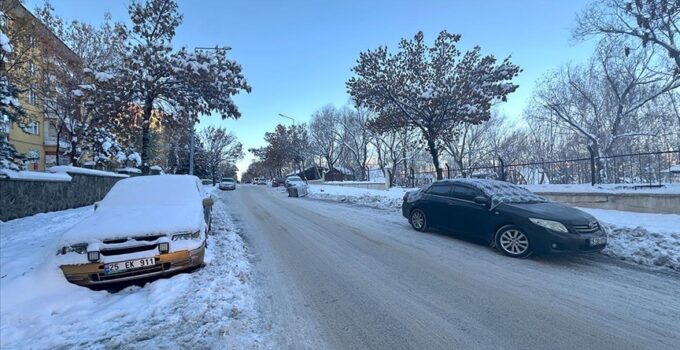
[(549, 224), (80, 248), (185, 236)]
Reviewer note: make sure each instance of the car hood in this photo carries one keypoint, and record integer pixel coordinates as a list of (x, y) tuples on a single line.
[(135, 221), (551, 211)]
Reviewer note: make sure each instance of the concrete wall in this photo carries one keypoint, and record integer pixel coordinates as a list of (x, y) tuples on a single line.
[(637, 202), (19, 198), (369, 185)]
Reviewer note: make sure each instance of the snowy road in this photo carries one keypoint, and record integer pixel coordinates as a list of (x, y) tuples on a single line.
[(341, 276)]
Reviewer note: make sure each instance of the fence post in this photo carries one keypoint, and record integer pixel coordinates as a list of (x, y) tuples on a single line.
[(502, 168), (592, 166), (448, 171), (413, 178)]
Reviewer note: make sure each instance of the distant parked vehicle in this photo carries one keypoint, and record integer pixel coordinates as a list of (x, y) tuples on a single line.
[(146, 226), (260, 181), (293, 180), (278, 182), (515, 220), (227, 184)]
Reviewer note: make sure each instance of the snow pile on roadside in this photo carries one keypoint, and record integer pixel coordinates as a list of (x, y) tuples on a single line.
[(647, 239), (212, 307), (391, 198)]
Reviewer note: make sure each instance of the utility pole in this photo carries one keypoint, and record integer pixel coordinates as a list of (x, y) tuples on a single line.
[(192, 142)]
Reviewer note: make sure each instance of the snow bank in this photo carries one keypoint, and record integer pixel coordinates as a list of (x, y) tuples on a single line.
[(34, 175), (213, 307), (647, 239), (374, 198), (85, 171)]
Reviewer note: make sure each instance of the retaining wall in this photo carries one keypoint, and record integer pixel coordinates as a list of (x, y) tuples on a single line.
[(24, 197), (637, 202)]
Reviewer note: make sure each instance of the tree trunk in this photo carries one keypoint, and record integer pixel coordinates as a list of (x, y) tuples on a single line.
[(58, 142), (146, 136), (434, 152), (72, 154)]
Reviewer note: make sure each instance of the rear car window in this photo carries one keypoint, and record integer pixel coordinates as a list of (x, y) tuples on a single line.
[(441, 190), (465, 193)]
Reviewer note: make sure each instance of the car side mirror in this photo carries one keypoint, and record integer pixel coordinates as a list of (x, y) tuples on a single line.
[(207, 202), (481, 200)]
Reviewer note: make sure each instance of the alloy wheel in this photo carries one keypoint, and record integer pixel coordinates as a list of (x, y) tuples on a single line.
[(514, 242), (418, 220)]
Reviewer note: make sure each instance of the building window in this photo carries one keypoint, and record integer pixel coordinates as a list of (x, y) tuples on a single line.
[(3, 21), (31, 69), (33, 128), (5, 124), (32, 97)]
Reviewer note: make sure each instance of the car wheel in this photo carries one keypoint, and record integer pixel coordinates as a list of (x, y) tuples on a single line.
[(418, 220), (512, 242)]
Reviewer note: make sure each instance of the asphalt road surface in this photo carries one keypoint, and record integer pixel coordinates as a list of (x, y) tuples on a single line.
[(339, 276)]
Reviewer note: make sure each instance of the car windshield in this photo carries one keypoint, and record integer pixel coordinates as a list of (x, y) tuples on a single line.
[(227, 180), (294, 178), (503, 192)]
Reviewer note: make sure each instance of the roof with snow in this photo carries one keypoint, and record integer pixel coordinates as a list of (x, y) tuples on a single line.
[(500, 191)]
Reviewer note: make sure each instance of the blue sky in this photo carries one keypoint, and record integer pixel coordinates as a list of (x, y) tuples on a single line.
[(297, 55)]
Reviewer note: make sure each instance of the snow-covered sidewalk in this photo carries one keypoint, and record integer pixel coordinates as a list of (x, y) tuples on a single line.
[(212, 307), (648, 239)]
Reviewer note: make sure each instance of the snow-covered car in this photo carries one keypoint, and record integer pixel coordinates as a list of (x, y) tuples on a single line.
[(145, 226), (293, 180), (227, 184)]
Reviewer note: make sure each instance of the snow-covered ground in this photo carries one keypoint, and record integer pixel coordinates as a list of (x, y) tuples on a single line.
[(212, 307), (648, 239)]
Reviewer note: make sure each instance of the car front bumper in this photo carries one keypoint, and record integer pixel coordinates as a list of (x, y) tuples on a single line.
[(92, 274), (553, 242), (227, 187)]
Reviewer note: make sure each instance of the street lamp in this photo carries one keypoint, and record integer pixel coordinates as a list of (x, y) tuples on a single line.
[(287, 117), (192, 146)]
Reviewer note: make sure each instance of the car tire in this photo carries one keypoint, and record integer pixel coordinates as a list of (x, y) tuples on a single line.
[(513, 242), (418, 220)]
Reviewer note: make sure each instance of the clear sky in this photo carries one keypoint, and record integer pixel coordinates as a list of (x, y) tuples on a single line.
[(297, 55)]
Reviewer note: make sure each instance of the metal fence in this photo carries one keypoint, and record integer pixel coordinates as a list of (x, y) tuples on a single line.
[(644, 169)]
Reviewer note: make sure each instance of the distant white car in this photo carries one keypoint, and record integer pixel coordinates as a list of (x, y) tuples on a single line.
[(227, 184), (260, 181), (294, 180), (145, 226)]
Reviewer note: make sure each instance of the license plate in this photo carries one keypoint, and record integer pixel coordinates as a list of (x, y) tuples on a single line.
[(123, 266), (598, 241)]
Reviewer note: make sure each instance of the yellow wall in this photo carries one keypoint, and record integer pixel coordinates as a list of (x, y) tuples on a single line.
[(25, 142)]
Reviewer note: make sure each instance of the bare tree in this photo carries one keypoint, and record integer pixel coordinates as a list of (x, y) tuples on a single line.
[(222, 148), (431, 88), (355, 137), (652, 22), (323, 134)]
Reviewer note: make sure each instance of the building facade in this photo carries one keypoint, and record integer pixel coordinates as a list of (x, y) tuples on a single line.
[(35, 46)]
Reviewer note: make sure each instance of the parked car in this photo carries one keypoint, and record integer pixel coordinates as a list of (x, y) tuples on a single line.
[(260, 181), (294, 180), (515, 220), (145, 226), (278, 182), (227, 184)]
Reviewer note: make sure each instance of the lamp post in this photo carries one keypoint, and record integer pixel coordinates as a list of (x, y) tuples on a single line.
[(287, 117), (192, 142)]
